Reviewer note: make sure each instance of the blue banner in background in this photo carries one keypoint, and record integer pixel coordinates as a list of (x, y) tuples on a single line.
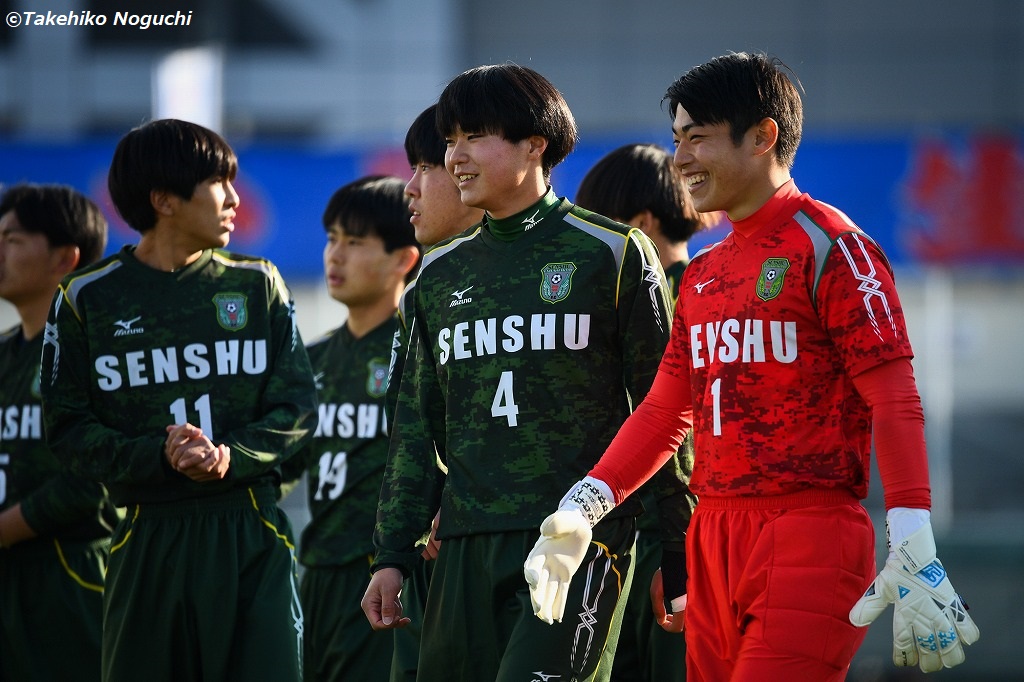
[(927, 200)]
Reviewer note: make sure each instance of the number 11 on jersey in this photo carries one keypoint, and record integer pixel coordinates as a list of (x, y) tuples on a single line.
[(202, 406)]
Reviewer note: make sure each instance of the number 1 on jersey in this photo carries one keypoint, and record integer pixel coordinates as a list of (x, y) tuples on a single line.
[(504, 404), (716, 396), (202, 406)]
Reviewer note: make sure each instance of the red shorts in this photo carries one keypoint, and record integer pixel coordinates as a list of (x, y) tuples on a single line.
[(771, 585)]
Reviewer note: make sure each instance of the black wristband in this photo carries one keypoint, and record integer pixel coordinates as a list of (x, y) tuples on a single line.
[(673, 575)]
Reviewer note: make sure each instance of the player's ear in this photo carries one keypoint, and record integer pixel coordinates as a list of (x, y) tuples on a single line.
[(163, 202), (537, 145), (408, 258), (67, 257), (766, 134)]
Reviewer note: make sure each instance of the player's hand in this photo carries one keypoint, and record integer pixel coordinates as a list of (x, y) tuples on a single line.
[(433, 545), (191, 453), (213, 466), (554, 559), (669, 622), (930, 620), (559, 551), (381, 602), (178, 437)]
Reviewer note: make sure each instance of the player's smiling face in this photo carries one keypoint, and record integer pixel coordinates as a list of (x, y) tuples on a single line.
[(718, 172), (491, 172), (436, 204)]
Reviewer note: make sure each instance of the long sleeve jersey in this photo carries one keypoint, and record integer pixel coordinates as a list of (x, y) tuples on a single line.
[(535, 336), (55, 502), (129, 350), (773, 327), (345, 457)]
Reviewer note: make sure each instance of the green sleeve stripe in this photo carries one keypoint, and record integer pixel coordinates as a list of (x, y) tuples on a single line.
[(76, 284), (821, 242)]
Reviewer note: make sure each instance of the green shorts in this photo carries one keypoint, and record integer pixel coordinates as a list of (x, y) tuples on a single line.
[(339, 642), (646, 651), (479, 622), (51, 609), (203, 590), (405, 661)]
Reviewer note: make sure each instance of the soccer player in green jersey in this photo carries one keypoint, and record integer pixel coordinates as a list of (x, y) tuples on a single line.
[(54, 527), (370, 255), (437, 214), (638, 184), (536, 331), (174, 373)]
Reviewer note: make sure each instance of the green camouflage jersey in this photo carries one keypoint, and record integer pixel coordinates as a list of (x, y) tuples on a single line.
[(648, 493), (345, 458), (674, 275), (129, 349), (399, 349), (535, 336), (54, 502)]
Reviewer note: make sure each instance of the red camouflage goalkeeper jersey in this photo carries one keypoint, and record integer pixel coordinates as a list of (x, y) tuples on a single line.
[(771, 324)]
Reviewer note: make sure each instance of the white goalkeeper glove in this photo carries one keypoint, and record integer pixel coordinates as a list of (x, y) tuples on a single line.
[(559, 551), (930, 620)]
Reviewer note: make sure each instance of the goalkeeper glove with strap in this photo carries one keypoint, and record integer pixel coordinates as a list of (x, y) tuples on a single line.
[(930, 620), (559, 551)]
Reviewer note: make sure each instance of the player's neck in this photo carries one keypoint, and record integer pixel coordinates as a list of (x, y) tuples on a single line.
[(758, 193), (164, 254), (33, 316), (364, 318), (669, 252)]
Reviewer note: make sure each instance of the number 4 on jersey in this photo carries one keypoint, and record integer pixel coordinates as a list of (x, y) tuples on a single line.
[(504, 403)]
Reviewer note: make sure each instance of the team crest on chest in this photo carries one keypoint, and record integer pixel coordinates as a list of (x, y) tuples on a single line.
[(769, 283), (377, 377), (231, 311), (556, 281)]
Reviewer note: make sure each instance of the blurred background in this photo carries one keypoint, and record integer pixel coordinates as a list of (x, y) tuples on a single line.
[(914, 118)]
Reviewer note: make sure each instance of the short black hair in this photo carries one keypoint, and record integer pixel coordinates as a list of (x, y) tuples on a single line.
[(639, 177), (374, 205), (742, 89), (62, 214), (423, 144), (168, 155), (512, 101)]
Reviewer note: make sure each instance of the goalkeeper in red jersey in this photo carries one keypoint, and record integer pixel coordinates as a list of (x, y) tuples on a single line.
[(789, 352)]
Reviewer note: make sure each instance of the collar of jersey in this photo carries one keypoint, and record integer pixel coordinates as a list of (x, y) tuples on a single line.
[(128, 257), (509, 229), (769, 211)]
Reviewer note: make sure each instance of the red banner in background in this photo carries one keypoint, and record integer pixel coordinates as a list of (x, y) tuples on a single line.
[(963, 203)]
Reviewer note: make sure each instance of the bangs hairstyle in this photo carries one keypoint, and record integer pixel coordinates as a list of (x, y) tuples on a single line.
[(375, 205), (511, 101), (423, 144), (742, 89), (167, 155), (641, 177), (63, 215)]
